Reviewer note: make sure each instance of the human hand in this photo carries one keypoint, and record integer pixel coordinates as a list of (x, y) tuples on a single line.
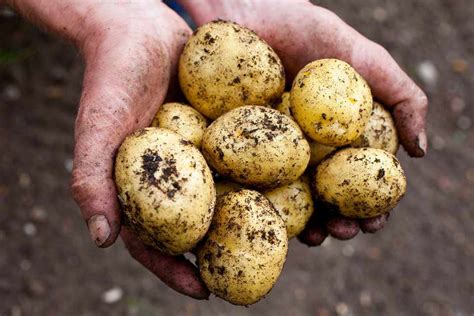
[(131, 51), (300, 33)]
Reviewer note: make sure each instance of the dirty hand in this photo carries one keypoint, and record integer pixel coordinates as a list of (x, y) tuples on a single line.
[(301, 32), (131, 50)]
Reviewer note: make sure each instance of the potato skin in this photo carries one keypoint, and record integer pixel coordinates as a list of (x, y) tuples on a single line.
[(360, 182), (225, 65), (182, 119), (294, 204), (224, 186), (256, 146), (380, 132), (331, 102), (166, 188), (245, 248), (318, 151)]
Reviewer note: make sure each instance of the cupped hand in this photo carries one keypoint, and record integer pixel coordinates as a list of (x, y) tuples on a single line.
[(131, 60), (301, 32)]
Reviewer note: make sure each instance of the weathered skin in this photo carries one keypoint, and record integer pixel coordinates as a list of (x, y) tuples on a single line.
[(147, 50)]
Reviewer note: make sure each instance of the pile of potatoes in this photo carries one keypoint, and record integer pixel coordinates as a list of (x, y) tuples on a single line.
[(232, 176)]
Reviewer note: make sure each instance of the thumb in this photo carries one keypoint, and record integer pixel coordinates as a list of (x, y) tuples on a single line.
[(121, 92)]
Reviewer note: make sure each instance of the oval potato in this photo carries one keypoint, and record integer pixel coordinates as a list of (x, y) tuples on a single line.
[(294, 204), (318, 151), (331, 102), (245, 249), (360, 182), (225, 65), (256, 146), (182, 119), (166, 188), (380, 131)]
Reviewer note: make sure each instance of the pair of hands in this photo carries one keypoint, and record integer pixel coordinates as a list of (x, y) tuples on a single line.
[(131, 51)]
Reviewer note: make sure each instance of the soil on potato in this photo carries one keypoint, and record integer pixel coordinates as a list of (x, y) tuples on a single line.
[(420, 264)]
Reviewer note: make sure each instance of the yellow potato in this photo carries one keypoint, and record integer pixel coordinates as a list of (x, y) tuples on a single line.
[(166, 188), (331, 102), (318, 151), (256, 146), (224, 186), (360, 182), (380, 131), (293, 203), (182, 119), (225, 65), (245, 249)]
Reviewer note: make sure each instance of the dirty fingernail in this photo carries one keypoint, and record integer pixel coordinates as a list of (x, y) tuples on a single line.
[(422, 141), (99, 229)]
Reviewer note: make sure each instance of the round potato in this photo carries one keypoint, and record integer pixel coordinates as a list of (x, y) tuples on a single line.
[(284, 105), (294, 204), (225, 65), (256, 146), (182, 119), (166, 189), (245, 249), (380, 131), (331, 102), (318, 151), (360, 182), (224, 186)]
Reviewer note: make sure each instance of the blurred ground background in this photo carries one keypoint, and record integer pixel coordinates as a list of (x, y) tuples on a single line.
[(422, 263)]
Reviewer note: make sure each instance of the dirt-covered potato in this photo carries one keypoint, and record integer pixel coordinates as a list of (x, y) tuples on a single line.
[(182, 119), (256, 146), (245, 248), (224, 186), (318, 151), (225, 65), (166, 188), (331, 102), (284, 104), (293, 203), (360, 182), (380, 132)]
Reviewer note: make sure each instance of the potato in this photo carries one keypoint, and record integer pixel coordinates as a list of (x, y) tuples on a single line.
[(256, 146), (331, 102), (284, 105), (245, 248), (380, 131), (225, 65), (360, 182), (294, 204), (166, 188), (224, 186), (182, 119), (318, 151)]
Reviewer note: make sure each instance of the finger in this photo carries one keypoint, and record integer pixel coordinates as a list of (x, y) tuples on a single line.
[(374, 224), (121, 92), (392, 86), (175, 271), (342, 228), (313, 235)]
